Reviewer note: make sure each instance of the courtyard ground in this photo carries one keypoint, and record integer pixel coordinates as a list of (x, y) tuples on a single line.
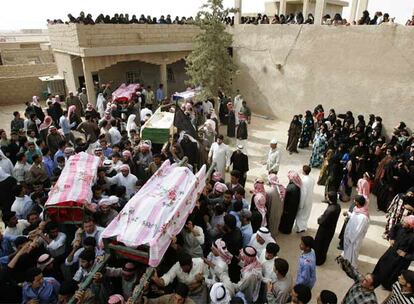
[(329, 276)]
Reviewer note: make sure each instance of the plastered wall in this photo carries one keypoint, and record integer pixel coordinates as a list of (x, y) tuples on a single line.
[(287, 69)]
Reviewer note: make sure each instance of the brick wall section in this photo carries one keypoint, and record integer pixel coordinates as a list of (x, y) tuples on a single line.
[(69, 37), (19, 90), (27, 70), (64, 37), (22, 56)]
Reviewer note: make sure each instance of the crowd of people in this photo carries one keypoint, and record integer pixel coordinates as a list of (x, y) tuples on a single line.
[(378, 18), (227, 251), (298, 18), (123, 19), (354, 153)]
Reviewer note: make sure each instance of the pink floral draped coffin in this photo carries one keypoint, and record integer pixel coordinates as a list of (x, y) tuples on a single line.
[(159, 210)]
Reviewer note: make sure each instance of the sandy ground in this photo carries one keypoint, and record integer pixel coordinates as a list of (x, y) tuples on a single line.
[(329, 276)]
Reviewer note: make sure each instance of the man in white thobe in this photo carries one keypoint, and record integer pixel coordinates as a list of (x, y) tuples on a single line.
[(273, 158), (238, 100), (260, 239), (126, 179), (208, 107), (355, 231), (188, 271), (6, 163), (83, 97), (220, 154), (306, 200)]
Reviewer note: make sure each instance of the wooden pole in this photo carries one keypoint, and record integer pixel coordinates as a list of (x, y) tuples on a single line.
[(85, 284)]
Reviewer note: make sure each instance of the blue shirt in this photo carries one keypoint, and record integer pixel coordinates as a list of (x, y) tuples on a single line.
[(107, 152), (247, 232), (307, 269), (57, 154), (47, 293), (245, 204), (159, 95), (65, 125), (237, 216), (6, 248), (49, 164)]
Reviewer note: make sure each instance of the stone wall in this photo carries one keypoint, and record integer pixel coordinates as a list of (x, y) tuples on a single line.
[(64, 37), (23, 56), (72, 37), (70, 68), (18, 83), (19, 90), (287, 69), (27, 70)]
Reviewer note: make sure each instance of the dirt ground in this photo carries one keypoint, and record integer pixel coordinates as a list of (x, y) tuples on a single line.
[(329, 276)]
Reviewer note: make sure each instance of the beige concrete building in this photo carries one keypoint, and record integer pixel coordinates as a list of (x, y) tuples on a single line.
[(118, 53), (24, 57), (283, 69)]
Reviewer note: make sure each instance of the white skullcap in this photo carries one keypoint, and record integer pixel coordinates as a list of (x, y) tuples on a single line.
[(109, 201)]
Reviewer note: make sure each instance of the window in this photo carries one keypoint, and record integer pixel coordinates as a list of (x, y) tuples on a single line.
[(133, 77)]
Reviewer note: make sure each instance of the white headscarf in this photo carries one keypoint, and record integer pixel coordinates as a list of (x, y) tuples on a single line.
[(264, 233), (131, 125), (219, 294), (3, 175), (35, 102), (100, 105), (109, 201), (6, 163)]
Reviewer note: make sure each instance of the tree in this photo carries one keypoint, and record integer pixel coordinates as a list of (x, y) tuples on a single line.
[(210, 64)]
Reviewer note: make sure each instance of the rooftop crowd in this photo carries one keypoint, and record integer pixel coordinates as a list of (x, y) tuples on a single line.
[(378, 18), (227, 251), (122, 19)]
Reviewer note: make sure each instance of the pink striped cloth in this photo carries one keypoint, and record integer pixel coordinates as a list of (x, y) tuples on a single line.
[(75, 181), (158, 211), (125, 92)]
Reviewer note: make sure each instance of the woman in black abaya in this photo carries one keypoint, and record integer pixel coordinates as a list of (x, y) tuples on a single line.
[(291, 203)]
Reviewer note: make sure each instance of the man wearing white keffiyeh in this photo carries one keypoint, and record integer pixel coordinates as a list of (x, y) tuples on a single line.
[(251, 274)]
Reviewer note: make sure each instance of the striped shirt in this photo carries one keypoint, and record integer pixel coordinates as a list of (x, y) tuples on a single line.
[(398, 297)]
